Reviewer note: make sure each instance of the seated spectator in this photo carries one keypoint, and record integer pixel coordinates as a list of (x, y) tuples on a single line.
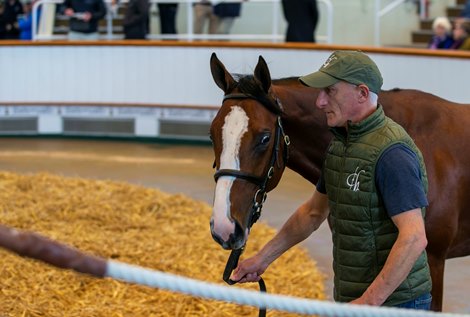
[(25, 23), (461, 35), (11, 10), (442, 38), (84, 18)]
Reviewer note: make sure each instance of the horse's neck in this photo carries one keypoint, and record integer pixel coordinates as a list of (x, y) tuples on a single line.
[(306, 127)]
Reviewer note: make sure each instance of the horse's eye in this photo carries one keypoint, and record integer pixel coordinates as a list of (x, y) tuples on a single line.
[(265, 140)]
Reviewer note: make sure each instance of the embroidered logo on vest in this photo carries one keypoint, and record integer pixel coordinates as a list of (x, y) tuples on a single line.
[(353, 180)]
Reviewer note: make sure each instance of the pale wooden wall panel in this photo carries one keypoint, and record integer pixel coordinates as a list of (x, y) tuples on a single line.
[(177, 75)]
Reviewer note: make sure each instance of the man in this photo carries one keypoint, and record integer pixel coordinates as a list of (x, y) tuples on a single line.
[(136, 19), (84, 17), (302, 19), (168, 13), (12, 9), (372, 189)]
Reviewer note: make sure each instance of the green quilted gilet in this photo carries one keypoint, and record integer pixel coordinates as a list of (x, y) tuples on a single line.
[(363, 233)]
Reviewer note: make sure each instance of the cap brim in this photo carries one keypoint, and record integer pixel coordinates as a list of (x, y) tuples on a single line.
[(318, 79)]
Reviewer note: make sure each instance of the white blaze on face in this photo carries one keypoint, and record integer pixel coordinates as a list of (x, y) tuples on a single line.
[(235, 126)]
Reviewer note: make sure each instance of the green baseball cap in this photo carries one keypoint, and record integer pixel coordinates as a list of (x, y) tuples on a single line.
[(354, 67)]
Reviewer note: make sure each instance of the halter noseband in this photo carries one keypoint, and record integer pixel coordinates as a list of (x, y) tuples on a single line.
[(260, 195)]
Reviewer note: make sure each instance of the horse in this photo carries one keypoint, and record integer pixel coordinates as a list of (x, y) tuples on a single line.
[(244, 143)]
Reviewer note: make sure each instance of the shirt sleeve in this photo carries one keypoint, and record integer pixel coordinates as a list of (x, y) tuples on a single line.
[(398, 180)]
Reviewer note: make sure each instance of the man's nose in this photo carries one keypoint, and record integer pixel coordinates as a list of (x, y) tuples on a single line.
[(321, 99)]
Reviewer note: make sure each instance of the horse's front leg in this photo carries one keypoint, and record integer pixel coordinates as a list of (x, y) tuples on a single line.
[(437, 264)]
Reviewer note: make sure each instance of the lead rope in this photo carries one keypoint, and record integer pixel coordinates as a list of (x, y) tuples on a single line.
[(232, 263)]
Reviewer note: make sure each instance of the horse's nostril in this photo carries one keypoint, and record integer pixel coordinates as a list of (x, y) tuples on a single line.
[(238, 230), (237, 239), (219, 240)]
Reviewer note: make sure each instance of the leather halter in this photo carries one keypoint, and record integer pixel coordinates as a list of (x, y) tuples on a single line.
[(259, 181), (260, 195)]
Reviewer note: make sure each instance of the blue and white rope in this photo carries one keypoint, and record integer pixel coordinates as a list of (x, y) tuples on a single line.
[(161, 280)]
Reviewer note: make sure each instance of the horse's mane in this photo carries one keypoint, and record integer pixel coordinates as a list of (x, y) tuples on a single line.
[(247, 84)]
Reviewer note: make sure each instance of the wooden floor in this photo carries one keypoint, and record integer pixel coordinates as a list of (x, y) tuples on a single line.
[(188, 170)]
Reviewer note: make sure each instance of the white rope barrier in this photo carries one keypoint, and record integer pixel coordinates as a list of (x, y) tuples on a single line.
[(156, 279), (60, 255)]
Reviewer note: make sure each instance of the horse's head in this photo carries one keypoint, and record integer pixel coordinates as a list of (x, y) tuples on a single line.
[(250, 151)]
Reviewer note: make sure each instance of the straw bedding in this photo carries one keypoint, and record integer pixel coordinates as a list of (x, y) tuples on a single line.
[(131, 224)]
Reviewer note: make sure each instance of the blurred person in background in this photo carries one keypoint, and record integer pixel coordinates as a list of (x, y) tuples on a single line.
[(168, 13), (136, 19), (2, 23), (461, 35), (11, 10), (302, 18), (84, 17), (204, 12), (113, 7), (226, 13), (466, 11), (220, 17), (442, 34), (25, 23)]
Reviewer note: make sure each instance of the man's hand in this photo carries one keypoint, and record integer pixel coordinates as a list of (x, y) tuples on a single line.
[(86, 16), (249, 270), (69, 12)]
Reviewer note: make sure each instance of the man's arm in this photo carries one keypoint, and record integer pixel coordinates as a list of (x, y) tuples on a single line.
[(99, 11), (306, 219), (411, 242)]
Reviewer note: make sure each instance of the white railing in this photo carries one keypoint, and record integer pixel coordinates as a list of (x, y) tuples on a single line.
[(379, 13), (275, 35)]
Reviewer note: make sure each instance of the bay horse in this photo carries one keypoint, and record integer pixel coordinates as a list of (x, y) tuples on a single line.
[(245, 146)]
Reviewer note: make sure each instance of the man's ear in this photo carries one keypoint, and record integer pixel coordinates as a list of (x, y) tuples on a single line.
[(363, 92)]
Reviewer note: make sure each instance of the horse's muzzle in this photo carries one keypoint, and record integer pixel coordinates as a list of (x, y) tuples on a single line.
[(235, 241)]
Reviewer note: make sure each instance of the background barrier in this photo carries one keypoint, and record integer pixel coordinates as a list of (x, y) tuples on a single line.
[(165, 89)]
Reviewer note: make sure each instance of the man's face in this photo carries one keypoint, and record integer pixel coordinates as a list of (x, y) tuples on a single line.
[(338, 101)]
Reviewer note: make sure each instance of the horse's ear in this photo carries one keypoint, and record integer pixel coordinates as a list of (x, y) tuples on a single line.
[(262, 74), (221, 76)]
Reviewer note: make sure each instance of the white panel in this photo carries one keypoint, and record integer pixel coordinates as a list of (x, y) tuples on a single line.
[(181, 75), (146, 126), (50, 124)]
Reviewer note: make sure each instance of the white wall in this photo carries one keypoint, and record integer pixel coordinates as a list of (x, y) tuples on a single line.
[(180, 75)]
